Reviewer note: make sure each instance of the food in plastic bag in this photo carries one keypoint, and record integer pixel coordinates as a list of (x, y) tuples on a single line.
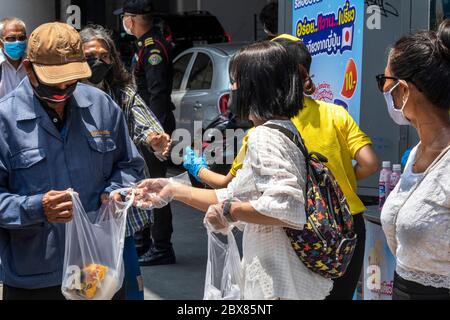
[(223, 271), (91, 278), (93, 261)]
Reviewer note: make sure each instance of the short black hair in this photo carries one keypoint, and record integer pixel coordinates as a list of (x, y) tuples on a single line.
[(269, 82), (269, 17), (423, 58), (300, 53)]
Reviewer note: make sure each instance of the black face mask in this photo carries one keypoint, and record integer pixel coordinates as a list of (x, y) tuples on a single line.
[(53, 94), (99, 70)]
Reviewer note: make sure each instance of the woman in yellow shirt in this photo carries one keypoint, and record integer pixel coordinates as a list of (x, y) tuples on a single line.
[(329, 130)]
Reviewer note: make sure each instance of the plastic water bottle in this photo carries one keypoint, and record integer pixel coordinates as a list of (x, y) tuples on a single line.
[(383, 185), (395, 176)]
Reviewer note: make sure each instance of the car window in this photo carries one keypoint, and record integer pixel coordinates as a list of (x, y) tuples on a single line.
[(179, 70), (202, 73)]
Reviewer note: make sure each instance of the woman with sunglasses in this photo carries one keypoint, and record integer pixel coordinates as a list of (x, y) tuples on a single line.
[(416, 215)]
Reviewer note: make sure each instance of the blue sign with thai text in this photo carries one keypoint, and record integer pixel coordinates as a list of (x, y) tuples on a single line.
[(333, 32)]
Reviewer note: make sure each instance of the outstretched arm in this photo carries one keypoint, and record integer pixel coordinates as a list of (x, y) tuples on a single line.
[(197, 198)]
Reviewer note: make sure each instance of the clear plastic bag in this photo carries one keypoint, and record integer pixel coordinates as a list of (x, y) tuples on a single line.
[(223, 271), (153, 195), (93, 261)]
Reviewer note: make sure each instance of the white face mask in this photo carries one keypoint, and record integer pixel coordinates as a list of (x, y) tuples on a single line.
[(127, 30), (396, 114)]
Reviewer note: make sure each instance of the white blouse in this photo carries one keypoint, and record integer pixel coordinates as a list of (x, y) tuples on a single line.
[(273, 181), (420, 239)]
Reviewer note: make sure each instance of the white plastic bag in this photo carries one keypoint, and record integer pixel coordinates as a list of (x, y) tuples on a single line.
[(93, 260), (152, 192), (223, 271)]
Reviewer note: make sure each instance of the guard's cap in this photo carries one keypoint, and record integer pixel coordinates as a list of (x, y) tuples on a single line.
[(136, 7)]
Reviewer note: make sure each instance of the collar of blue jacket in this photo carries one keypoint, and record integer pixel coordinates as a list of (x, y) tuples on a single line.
[(96, 155)]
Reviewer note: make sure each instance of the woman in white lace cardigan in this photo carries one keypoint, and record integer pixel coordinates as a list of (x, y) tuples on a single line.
[(268, 192), (416, 215)]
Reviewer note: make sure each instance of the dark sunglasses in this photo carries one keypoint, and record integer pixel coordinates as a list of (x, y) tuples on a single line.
[(15, 38), (381, 81)]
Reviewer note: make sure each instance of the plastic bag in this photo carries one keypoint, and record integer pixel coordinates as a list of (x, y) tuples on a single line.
[(153, 196), (93, 260), (223, 271), (182, 178)]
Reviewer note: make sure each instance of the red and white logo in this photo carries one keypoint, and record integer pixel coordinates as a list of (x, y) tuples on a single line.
[(347, 37)]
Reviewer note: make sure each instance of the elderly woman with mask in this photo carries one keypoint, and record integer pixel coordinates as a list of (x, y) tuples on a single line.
[(110, 75)]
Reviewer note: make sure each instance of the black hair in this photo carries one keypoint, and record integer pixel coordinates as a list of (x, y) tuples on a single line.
[(444, 35), (269, 82), (269, 17), (299, 51), (423, 58)]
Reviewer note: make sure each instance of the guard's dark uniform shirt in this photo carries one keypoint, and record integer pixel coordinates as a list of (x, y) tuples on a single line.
[(154, 76)]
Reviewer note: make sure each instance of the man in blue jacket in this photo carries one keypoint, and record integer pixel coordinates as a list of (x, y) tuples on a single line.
[(55, 134)]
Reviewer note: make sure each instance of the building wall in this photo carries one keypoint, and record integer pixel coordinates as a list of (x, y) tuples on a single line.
[(236, 16), (33, 12)]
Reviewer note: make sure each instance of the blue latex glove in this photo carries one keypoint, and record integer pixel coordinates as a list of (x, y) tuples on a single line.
[(193, 163)]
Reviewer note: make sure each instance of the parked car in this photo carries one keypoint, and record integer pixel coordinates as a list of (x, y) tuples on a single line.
[(201, 92)]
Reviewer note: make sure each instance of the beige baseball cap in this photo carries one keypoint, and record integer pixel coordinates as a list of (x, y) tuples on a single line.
[(56, 51)]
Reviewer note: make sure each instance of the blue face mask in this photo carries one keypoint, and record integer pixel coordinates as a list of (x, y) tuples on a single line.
[(15, 50)]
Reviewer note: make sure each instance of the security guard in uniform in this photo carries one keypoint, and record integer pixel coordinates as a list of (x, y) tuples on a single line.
[(153, 71)]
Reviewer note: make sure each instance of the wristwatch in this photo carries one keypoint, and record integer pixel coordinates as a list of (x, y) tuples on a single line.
[(227, 211)]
